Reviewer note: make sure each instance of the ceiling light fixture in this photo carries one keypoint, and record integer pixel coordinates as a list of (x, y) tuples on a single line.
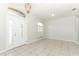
[(28, 7), (74, 9), (52, 14)]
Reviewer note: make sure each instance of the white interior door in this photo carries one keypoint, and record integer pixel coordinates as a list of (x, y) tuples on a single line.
[(16, 31)]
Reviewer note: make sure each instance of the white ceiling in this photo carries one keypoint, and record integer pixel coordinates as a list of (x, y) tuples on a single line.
[(44, 10)]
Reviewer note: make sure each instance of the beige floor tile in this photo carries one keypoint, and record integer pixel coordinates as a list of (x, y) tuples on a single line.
[(45, 47)]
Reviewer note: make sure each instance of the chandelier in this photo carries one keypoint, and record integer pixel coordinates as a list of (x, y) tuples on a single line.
[(28, 7)]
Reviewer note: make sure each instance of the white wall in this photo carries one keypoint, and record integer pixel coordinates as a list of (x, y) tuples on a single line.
[(16, 31), (61, 29), (32, 29), (32, 34), (77, 28), (3, 12)]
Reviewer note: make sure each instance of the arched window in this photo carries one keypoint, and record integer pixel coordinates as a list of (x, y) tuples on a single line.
[(40, 27)]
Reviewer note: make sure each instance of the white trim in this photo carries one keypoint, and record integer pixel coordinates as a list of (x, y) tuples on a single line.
[(7, 49), (64, 40), (32, 41)]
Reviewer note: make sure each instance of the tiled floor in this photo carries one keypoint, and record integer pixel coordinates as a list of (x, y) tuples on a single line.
[(45, 48)]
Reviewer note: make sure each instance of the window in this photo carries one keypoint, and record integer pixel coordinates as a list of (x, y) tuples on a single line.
[(40, 27), (10, 31)]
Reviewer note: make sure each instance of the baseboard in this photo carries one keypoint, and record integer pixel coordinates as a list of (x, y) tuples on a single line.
[(77, 43), (7, 49), (28, 42), (32, 41), (64, 40)]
